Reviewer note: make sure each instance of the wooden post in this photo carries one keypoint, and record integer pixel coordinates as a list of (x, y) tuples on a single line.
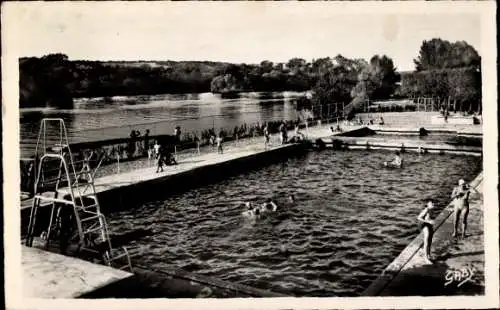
[(312, 113), (328, 114), (307, 127), (321, 113)]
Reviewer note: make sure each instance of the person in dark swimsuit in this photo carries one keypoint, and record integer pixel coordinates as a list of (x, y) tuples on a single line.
[(427, 226), (160, 159)]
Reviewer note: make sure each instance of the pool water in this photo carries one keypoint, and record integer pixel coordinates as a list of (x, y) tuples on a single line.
[(351, 218)]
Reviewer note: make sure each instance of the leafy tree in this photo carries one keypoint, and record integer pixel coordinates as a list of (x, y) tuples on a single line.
[(382, 77), (439, 54)]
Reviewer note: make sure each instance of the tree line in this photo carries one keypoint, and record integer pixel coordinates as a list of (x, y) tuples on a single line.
[(54, 80), (443, 69), (446, 70)]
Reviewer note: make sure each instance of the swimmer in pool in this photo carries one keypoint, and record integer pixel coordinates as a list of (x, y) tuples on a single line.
[(397, 162), (254, 212), (269, 206), (251, 212)]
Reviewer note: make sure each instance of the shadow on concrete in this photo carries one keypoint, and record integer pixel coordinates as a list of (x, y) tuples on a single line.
[(174, 284), (448, 255), (190, 162)]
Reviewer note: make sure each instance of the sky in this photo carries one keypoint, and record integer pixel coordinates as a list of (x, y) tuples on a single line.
[(239, 33)]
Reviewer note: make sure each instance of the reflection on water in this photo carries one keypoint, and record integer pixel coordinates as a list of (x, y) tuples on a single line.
[(106, 118), (350, 219)]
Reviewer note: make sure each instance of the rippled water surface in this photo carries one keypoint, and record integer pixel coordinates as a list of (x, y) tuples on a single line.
[(351, 218)]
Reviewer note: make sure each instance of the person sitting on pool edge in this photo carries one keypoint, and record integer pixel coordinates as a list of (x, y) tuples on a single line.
[(396, 162), (169, 159), (426, 224)]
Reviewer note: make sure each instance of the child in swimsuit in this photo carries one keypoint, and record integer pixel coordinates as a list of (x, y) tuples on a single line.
[(426, 224)]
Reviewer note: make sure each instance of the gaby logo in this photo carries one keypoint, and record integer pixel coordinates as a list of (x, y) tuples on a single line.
[(460, 276)]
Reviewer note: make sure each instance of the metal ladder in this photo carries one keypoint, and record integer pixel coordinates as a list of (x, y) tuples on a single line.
[(66, 196)]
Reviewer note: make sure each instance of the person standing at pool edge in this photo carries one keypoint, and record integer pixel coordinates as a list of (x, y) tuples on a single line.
[(146, 142), (460, 196), (219, 143), (160, 159), (156, 148), (426, 224), (266, 136)]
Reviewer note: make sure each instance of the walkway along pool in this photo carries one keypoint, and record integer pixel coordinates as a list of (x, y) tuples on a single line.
[(350, 219)]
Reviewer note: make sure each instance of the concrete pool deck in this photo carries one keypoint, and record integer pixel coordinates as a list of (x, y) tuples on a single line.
[(380, 142), (50, 275), (409, 275)]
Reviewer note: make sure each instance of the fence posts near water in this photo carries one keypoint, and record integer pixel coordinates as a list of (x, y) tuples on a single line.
[(118, 160)]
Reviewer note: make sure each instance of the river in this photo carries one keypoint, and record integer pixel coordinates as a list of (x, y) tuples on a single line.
[(95, 119)]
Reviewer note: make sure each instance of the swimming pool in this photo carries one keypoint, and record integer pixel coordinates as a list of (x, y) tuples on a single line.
[(350, 219)]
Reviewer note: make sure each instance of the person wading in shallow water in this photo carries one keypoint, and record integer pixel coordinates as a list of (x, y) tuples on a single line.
[(460, 203), (426, 224)]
